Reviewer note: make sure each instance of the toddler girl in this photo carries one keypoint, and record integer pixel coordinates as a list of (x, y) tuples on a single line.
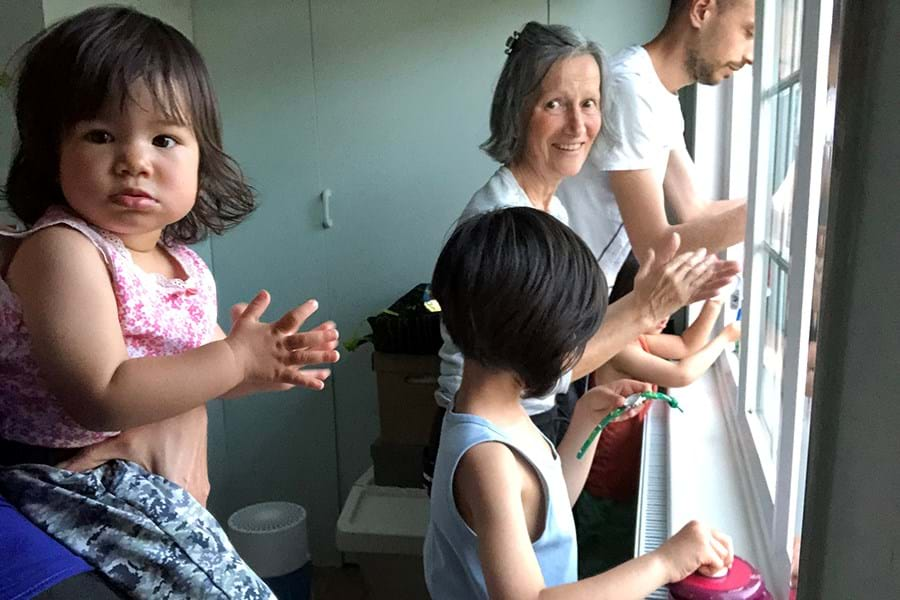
[(107, 319)]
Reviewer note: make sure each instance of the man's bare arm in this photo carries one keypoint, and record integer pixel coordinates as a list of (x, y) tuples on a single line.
[(681, 194), (711, 225)]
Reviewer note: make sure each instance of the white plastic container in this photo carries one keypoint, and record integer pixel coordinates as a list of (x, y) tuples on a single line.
[(383, 529)]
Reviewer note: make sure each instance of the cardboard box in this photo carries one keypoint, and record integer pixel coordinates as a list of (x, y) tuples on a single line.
[(406, 407), (397, 465)]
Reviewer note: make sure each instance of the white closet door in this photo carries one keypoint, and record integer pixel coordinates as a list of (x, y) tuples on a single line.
[(274, 446), (404, 90)]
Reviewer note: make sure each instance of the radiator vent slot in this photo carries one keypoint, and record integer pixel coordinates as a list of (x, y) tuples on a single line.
[(653, 495)]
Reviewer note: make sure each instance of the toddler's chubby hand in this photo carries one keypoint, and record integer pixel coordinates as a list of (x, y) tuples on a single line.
[(273, 353)]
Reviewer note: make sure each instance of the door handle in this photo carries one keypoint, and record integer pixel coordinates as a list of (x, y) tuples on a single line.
[(327, 223)]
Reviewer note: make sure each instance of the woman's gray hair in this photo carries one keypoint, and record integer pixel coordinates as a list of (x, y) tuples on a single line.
[(531, 54)]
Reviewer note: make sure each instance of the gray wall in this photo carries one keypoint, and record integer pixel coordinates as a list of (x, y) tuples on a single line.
[(18, 22), (175, 12), (853, 489), (612, 23)]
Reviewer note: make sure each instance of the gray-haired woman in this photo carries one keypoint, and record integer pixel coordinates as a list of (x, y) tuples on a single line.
[(545, 115)]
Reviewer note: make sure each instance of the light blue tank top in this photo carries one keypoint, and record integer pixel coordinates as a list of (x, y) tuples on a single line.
[(452, 567)]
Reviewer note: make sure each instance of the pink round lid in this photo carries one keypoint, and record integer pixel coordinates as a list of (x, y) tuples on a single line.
[(742, 582)]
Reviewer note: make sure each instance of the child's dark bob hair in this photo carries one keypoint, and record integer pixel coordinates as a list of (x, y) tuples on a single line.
[(70, 70), (519, 291)]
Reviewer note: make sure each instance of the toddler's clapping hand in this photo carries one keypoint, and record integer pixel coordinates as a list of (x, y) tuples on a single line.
[(270, 354)]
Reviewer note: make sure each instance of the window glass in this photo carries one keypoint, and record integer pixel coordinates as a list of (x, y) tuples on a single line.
[(817, 286), (791, 139), (783, 99)]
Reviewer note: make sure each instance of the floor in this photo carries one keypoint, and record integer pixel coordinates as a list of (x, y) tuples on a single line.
[(338, 583)]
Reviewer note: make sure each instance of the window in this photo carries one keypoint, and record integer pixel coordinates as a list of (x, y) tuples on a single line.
[(788, 164), (778, 108)]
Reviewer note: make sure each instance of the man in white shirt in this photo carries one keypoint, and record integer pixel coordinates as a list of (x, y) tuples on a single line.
[(639, 160)]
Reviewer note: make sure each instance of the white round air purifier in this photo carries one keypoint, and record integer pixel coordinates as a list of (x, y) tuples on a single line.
[(271, 537)]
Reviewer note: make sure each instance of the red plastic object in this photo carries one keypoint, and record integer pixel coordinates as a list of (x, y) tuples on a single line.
[(743, 582)]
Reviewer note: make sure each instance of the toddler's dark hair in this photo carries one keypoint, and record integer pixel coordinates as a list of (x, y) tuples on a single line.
[(520, 291), (70, 70)]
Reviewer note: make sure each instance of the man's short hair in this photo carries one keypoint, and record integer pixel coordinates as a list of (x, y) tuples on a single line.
[(521, 292)]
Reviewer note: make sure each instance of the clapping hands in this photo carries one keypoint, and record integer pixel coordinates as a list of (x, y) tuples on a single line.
[(271, 355)]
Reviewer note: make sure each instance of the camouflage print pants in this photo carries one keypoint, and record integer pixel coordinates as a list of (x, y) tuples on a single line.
[(146, 535)]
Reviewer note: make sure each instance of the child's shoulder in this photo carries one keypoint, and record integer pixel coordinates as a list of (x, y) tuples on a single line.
[(473, 435), (50, 249), (57, 230), (488, 448), (488, 455), (486, 470), (636, 346), (646, 341), (634, 354), (56, 239)]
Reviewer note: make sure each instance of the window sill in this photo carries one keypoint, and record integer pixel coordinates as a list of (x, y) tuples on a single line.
[(706, 478)]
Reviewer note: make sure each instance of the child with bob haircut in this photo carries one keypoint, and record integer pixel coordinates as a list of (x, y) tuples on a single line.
[(108, 319), (501, 503)]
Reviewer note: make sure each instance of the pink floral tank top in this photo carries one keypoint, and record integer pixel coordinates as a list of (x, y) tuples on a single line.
[(159, 317)]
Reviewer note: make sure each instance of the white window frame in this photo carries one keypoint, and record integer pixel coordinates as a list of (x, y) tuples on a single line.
[(774, 502)]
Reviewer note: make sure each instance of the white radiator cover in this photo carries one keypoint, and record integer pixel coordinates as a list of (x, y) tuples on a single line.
[(653, 495)]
